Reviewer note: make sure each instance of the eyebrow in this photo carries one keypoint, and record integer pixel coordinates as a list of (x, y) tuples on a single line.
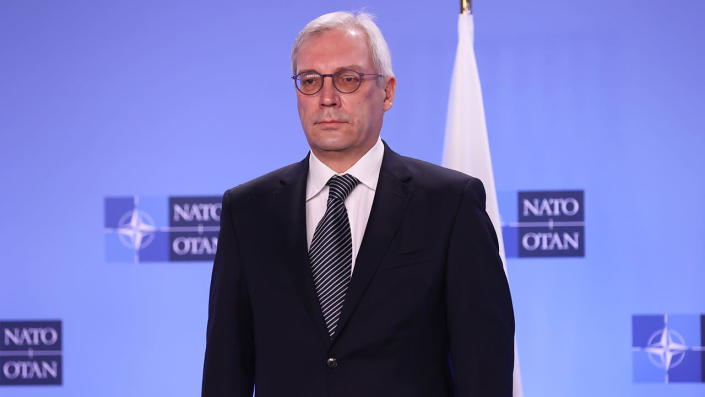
[(349, 67)]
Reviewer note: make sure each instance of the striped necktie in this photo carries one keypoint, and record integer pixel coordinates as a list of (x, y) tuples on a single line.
[(331, 251)]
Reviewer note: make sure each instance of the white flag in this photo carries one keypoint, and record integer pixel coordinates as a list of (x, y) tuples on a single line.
[(466, 146)]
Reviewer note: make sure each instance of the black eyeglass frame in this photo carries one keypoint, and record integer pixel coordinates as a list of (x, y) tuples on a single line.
[(332, 79)]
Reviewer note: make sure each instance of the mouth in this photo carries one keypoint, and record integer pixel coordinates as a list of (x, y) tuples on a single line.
[(330, 122)]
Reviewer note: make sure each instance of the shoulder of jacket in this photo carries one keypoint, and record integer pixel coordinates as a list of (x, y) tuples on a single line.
[(262, 185), (433, 176)]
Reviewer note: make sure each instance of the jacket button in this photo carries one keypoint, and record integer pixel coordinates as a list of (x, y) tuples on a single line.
[(332, 362)]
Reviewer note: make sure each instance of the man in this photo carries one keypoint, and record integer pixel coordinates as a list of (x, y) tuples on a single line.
[(356, 272)]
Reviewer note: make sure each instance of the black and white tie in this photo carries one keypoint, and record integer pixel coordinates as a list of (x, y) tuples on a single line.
[(331, 251)]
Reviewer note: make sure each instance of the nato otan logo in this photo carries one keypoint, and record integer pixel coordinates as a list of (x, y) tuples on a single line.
[(548, 224), (30, 353), (668, 348), (161, 229)]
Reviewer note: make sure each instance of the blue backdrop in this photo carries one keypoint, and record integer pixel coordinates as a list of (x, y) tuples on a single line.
[(102, 99)]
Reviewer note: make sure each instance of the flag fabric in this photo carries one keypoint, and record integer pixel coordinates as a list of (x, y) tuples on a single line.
[(466, 147)]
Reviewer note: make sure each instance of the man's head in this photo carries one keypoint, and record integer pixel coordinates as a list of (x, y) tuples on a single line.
[(341, 126)]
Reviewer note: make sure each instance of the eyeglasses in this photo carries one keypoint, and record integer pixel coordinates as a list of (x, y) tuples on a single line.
[(345, 81)]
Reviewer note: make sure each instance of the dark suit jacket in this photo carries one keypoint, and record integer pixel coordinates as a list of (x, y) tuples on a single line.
[(427, 313)]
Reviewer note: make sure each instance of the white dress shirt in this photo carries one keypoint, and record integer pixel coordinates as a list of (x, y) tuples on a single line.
[(359, 201)]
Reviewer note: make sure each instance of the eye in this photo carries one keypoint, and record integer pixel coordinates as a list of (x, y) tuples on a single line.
[(309, 79), (349, 77)]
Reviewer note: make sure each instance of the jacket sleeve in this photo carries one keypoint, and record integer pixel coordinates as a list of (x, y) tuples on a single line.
[(228, 368), (480, 318)]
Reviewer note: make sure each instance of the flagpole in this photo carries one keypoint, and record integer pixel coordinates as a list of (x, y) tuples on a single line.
[(466, 6)]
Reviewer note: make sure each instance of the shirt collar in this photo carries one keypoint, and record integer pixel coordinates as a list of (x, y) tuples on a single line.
[(366, 170)]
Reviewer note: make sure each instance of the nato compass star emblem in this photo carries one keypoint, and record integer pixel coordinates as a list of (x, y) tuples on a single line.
[(136, 229), (668, 348)]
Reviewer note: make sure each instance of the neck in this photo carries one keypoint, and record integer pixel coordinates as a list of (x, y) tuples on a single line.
[(335, 161), (340, 161)]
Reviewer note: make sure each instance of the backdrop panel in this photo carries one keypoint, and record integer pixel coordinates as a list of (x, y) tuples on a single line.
[(113, 114)]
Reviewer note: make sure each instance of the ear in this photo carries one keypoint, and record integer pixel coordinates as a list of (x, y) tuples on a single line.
[(390, 87)]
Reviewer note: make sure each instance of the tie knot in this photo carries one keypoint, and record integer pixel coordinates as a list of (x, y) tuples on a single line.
[(341, 186)]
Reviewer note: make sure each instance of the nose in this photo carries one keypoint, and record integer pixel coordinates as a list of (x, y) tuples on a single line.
[(328, 96)]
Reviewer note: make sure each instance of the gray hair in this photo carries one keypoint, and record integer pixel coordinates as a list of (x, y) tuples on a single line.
[(363, 21)]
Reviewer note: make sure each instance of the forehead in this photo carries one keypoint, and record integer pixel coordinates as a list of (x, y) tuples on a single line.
[(332, 49)]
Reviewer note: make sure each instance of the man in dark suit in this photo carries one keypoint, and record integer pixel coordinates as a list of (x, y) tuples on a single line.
[(356, 272)]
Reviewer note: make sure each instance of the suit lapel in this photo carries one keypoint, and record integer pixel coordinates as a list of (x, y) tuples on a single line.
[(388, 208), (290, 211)]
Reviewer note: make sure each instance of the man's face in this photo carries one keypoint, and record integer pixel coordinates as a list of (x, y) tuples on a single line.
[(336, 124)]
